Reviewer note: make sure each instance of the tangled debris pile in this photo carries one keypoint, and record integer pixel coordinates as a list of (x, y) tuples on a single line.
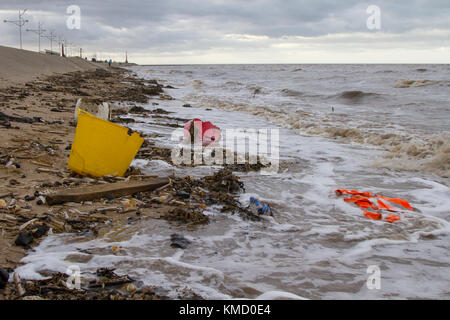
[(105, 285), (194, 195)]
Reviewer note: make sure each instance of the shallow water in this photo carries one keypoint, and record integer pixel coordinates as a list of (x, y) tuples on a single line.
[(317, 246)]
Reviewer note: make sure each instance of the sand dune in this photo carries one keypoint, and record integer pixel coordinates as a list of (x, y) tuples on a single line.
[(18, 66)]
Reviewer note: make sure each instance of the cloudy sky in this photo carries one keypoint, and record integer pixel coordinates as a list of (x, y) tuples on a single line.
[(245, 31)]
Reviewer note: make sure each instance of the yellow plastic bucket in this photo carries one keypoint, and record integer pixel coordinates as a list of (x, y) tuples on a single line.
[(101, 147)]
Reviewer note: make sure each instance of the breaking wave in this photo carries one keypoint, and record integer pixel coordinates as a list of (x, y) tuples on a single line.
[(197, 84), (402, 83), (429, 153), (291, 93), (354, 97)]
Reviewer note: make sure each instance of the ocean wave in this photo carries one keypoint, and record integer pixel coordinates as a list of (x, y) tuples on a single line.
[(233, 83), (180, 72), (291, 93), (386, 71), (402, 83), (356, 96), (429, 153), (197, 84)]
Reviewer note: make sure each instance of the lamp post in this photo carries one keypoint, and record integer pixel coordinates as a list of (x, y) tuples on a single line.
[(20, 23), (39, 32), (51, 37)]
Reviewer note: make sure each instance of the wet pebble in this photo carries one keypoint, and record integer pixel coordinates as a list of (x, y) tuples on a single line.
[(178, 241), (24, 239), (4, 276)]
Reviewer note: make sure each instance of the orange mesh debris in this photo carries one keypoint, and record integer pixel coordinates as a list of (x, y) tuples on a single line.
[(361, 199)]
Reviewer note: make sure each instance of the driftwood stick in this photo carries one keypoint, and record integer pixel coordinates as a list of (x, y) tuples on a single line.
[(117, 189), (20, 290)]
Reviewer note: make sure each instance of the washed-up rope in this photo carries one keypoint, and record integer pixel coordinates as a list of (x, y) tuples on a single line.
[(362, 200)]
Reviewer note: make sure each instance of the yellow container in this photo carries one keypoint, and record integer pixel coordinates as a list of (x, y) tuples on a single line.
[(101, 147)]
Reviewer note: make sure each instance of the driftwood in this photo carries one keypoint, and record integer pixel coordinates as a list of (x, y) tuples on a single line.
[(58, 173), (117, 189), (6, 195), (20, 290)]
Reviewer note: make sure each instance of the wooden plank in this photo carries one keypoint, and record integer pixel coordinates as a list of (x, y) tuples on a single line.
[(117, 189)]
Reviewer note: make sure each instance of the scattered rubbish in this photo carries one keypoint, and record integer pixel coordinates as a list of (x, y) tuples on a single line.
[(183, 194), (201, 132), (130, 220), (6, 119), (187, 215), (101, 147), (178, 241), (24, 239), (115, 249), (259, 208), (117, 189), (224, 181), (57, 172), (94, 107), (131, 288), (41, 200), (138, 109), (4, 276), (20, 290), (362, 200)]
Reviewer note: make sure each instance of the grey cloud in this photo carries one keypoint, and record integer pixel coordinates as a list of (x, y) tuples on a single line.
[(158, 26)]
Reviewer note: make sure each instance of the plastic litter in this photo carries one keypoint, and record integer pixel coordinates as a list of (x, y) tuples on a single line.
[(259, 208), (197, 131), (361, 199), (102, 148), (102, 111)]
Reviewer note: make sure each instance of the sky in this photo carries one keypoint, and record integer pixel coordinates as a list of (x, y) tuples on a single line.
[(246, 31)]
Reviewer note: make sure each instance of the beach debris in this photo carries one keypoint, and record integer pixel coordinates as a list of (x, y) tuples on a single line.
[(93, 192), (178, 241), (24, 239), (201, 132), (362, 200), (6, 119), (186, 215), (20, 290), (57, 172), (115, 147), (131, 288), (138, 109), (4, 277), (224, 181), (414, 83), (104, 285), (259, 208)]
